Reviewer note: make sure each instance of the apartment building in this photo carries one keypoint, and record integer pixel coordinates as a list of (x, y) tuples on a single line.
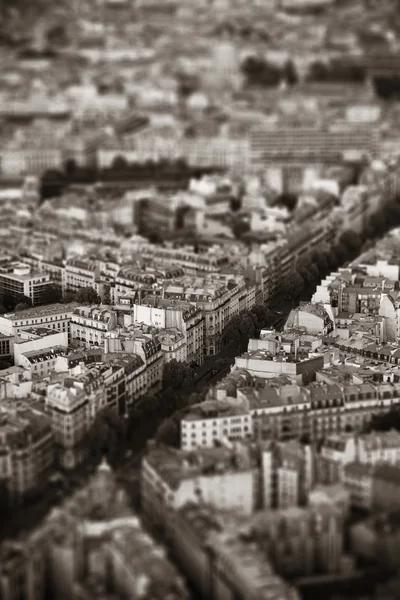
[(310, 144), (301, 541), (185, 317), (191, 262), (264, 364), (337, 451), (157, 214), (69, 410), (173, 345), (132, 282), (358, 481), (27, 447), (6, 346), (93, 527), (300, 242), (213, 421), (379, 447), (90, 324), (16, 279), (315, 319), (29, 161), (147, 347), (293, 474), (41, 362), (79, 273), (51, 316), (214, 300), (224, 477), (35, 339), (281, 409), (208, 545)]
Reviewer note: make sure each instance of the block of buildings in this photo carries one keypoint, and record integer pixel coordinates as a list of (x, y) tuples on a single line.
[(91, 546), (225, 477), (211, 547), (53, 316), (27, 448), (37, 339)]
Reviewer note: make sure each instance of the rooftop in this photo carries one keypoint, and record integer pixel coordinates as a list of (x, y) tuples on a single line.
[(37, 356), (173, 465), (41, 311)]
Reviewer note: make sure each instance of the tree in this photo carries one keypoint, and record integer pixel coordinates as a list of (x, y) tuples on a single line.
[(320, 259), (287, 200), (308, 271), (187, 84), (351, 242), (52, 183), (107, 436), (119, 164), (177, 375), (289, 73), (52, 294), (293, 286), (22, 306), (69, 296), (197, 397), (168, 433), (88, 295), (264, 317), (7, 301), (231, 333), (240, 228), (57, 35), (22, 302), (318, 71), (70, 168), (259, 72), (385, 421)]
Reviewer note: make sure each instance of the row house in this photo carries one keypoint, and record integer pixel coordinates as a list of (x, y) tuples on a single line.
[(89, 325), (379, 353), (184, 316), (190, 261), (310, 143), (214, 421), (132, 282), (147, 347), (214, 300), (289, 411), (80, 273)]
